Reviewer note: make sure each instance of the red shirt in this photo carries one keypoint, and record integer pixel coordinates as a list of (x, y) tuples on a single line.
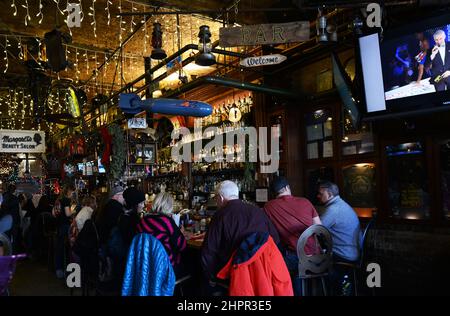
[(291, 216)]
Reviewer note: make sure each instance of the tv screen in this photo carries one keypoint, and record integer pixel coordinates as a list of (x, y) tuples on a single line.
[(409, 69)]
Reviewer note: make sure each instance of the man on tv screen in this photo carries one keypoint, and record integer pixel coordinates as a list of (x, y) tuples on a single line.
[(440, 62)]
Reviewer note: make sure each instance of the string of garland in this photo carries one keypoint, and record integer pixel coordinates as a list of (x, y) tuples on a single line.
[(117, 166)]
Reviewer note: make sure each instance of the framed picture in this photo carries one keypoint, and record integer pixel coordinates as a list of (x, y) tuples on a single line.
[(150, 153)]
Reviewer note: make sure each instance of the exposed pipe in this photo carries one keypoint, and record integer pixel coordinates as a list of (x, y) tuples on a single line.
[(232, 83)]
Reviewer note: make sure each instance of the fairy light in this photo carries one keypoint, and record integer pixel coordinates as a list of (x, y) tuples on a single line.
[(146, 36), (108, 3), (87, 61), (40, 12), (39, 48), (27, 17), (81, 11), (133, 24), (77, 71), (22, 121), (121, 22), (13, 5), (6, 54), (94, 22), (19, 47), (57, 5)]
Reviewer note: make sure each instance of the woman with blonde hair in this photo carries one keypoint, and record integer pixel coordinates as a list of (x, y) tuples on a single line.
[(161, 225)]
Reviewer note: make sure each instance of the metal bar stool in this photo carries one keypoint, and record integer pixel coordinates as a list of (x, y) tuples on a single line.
[(316, 265)]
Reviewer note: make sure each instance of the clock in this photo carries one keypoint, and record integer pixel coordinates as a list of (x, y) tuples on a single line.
[(234, 115)]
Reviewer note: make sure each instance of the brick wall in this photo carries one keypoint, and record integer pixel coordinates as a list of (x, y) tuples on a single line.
[(414, 260)]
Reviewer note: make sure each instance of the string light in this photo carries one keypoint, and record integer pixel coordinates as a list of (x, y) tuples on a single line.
[(27, 17), (146, 36), (19, 47), (77, 72), (6, 54), (121, 21), (81, 11), (93, 23), (133, 24), (40, 12), (87, 61), (13, 5), (39, 48), (108, 2), (57, 5)]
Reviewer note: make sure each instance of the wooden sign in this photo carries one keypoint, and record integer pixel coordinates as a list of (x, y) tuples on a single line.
[(21, 141), (264, 34), (263, 60)]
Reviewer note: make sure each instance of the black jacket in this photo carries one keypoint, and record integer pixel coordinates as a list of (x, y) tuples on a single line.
[(229, 227)]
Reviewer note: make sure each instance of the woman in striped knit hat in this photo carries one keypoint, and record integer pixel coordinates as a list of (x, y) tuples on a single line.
[(160, 224)]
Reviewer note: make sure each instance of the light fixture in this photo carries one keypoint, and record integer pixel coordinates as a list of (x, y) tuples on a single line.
[(205, 58), (322, 35), (157, 52)]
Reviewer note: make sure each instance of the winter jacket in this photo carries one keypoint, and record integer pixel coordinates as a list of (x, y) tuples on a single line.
[(148, 271), (257, 268)]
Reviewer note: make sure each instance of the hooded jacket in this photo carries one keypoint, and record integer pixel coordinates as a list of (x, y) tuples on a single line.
[(148, 271), (257, 268)]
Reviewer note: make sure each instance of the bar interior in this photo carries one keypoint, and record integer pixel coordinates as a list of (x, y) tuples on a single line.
[(205, 148)]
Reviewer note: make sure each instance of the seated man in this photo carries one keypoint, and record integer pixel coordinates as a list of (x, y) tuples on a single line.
[(291, 216), (233, 221), (343, 224)]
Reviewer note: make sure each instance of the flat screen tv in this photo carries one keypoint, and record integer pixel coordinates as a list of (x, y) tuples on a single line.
[(406, 72)]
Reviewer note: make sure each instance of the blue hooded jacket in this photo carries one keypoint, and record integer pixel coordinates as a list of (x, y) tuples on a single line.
[(148, 271)]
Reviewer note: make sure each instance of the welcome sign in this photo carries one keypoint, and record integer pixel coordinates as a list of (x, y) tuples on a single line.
[(20, 141)]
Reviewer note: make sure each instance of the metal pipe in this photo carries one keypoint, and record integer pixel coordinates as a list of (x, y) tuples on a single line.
[(226, 82)]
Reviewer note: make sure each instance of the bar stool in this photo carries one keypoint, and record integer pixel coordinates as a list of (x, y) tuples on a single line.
[(318, 264)]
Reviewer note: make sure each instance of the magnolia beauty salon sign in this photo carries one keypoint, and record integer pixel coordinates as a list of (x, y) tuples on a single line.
[(18, 141), (263, 60)]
